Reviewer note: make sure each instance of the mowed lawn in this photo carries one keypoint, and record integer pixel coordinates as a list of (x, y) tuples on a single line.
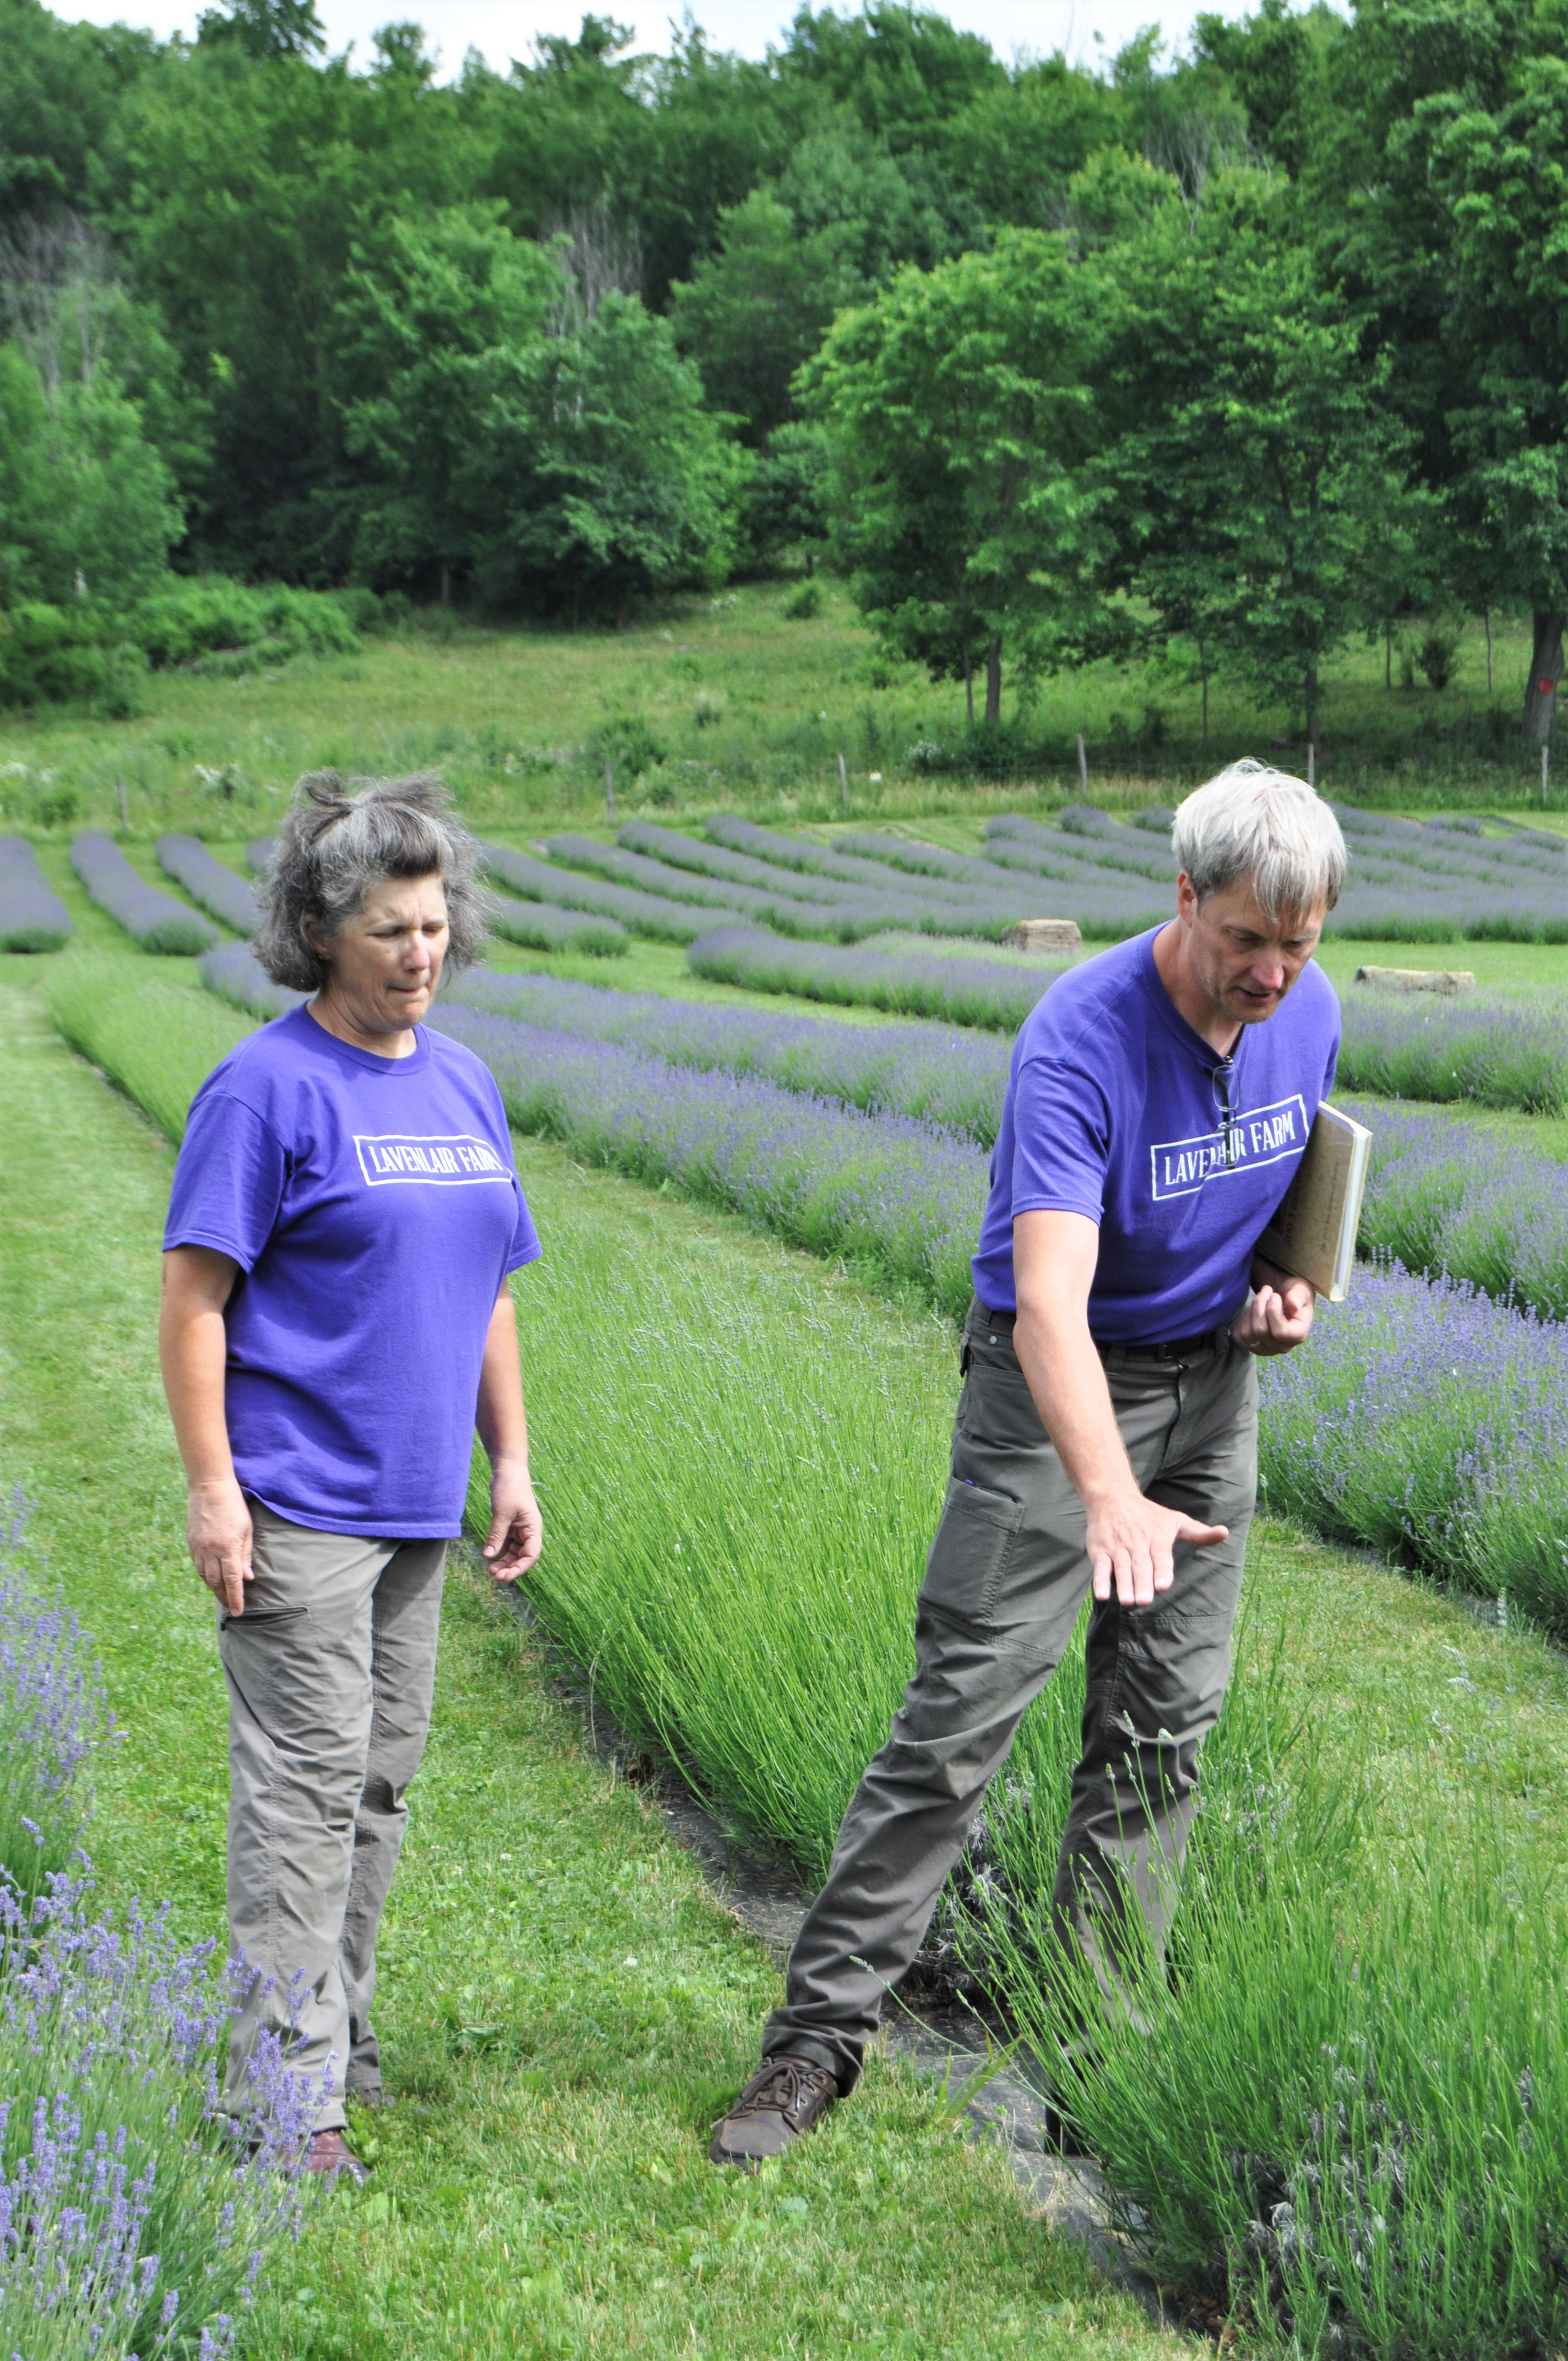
[(564, 2005)]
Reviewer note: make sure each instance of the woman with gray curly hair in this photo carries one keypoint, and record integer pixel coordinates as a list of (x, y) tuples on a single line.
[(336, 1320)]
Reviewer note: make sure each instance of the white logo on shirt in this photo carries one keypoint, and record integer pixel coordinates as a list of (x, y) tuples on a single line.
[(1180, 1168), (448, 1161)]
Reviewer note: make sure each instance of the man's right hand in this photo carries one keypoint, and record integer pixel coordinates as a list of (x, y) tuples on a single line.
[(1132, 1542), (218, 1535)]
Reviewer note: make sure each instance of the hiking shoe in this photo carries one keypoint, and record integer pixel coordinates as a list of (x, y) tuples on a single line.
[(329, 2155), (784, 2098)]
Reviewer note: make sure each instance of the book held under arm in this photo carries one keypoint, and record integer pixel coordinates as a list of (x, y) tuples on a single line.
[(1313, 1234)]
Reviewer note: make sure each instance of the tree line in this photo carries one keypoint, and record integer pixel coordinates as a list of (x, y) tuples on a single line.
[(1241, 353)]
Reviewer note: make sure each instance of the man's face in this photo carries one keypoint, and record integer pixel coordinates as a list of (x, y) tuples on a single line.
[(1246, 962)]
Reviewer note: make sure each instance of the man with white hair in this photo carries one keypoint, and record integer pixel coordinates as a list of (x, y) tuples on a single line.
[(1159, 1103)]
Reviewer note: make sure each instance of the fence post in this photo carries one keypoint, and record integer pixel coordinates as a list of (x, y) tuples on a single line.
[(843, 788), (609, 790), (125, 812), (1312, 765), (1082, 766)]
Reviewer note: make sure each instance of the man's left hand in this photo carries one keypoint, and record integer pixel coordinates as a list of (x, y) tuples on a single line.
[(1276, 1319)]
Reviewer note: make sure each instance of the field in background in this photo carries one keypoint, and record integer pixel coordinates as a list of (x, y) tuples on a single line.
[(747, 709)]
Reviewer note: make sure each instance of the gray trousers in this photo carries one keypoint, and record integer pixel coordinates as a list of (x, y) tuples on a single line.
[(330, 1671), (1006, 1577)]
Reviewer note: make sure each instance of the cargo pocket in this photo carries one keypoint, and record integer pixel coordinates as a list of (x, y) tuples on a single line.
[(968, 1557)]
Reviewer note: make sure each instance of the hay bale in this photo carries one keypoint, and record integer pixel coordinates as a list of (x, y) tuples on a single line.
[(1045, 935), (1418, 979)]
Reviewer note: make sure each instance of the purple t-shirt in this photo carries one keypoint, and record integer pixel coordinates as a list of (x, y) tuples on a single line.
[(1113, 1110), (373, 1210)]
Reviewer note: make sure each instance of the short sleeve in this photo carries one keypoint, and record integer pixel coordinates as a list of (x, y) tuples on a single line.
[(525, 1246), (228, 1182), (1061, 1140)]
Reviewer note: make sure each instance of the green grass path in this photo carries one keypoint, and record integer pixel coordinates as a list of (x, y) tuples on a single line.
[(563, 2003)]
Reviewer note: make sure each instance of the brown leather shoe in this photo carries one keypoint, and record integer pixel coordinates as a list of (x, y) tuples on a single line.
[(329, 2154), (784, 2098)]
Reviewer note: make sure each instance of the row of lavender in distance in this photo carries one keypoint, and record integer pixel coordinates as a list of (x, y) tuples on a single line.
[(936, 1076), (231, 971), (904, 983), (1494, 1049), (1409, 880), (210, 882), (865, 896), (544, 926), (32, 917), (156, 920), (548, 882), (902, 1198)]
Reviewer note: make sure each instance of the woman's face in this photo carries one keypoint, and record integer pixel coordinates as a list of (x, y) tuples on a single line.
[(386, 962)]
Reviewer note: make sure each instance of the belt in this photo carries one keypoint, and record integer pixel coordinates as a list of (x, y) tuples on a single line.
[(1169, 1348)]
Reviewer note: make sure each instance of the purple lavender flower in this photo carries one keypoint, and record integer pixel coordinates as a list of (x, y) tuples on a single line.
[(952, 1079), (967, 993), (52, 1718), (32, 918), (903, 1195), (211, 882), (156, 920), (232, 972)]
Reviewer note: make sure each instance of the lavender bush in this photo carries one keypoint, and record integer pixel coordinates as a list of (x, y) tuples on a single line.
[(1499, 1052), (543, 928), (156, 920), (52, 1718), (543, 881), (1442, 1199), (905, 1197), (946, 1078), (32, 918), (966, 993), (1409, 881), (231, 971), (260, 852), (135, 2212), (210, 882), (1432, 1423)]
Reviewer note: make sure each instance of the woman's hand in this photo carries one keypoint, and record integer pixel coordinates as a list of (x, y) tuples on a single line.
[(218, 1535), (517, 1530)]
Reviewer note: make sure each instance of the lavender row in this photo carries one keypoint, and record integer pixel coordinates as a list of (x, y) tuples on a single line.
[(1449, 1197), (977, 902), (799, 898), (210, 882), (540, 926), (231, 971), (1497, 1052), (902, 1198), (953, 1080), (158, 921), (957, 991), (644, 913), (32, 918), (134, 2211), (1409, 881), (1432, 1424)]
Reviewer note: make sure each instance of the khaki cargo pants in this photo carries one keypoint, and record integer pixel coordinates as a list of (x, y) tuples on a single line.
[(330, 1671), (1006, 1577)]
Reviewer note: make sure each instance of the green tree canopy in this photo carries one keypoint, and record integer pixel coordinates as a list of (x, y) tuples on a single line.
[(959, 411)]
